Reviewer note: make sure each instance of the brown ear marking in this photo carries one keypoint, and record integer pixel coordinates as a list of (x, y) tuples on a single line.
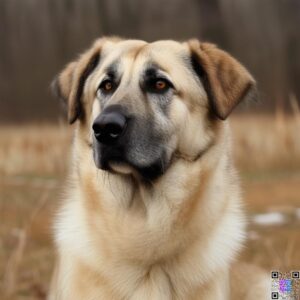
[(69, 84), (225, 80)]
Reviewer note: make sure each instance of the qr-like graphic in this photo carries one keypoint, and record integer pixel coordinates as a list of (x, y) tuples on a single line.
[(285, 285)]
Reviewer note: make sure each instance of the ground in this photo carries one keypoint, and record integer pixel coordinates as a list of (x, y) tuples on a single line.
[(33, 163)]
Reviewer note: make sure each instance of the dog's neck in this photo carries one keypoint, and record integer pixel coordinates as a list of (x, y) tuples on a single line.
[(172, 202), (156, 229)]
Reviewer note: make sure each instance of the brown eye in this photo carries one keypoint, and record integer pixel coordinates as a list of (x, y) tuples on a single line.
[(106, 86), (160, 85)]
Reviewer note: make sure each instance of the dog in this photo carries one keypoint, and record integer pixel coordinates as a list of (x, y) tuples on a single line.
[(153, 207)]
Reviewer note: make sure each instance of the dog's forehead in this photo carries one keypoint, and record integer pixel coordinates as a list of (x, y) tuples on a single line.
[(159, 52)]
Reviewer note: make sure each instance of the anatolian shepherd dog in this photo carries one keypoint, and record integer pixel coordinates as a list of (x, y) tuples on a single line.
[(152, 209)]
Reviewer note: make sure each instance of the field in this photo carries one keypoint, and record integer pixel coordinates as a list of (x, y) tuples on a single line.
[(33, 163)]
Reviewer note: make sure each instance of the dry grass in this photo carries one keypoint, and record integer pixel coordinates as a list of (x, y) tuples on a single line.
[(34, 149), (267, 143), (33, 162)]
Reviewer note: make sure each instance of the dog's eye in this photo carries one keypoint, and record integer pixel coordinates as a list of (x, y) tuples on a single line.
[(159, 85), (106, 86)]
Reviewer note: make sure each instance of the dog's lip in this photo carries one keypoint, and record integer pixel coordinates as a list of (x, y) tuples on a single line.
[(120, 167), (148, 172), (115, 160)]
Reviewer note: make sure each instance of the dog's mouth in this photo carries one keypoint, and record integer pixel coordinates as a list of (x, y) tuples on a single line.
[(146, 173), (116, 162)]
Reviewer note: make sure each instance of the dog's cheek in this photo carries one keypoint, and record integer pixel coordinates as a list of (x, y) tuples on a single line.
[(191, 128), (196, 136), (179, 115)]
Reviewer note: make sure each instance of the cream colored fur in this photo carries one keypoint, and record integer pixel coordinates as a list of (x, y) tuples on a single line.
[(118, 239)]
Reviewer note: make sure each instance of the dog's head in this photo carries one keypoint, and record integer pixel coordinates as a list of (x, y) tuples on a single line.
[(142, 104)]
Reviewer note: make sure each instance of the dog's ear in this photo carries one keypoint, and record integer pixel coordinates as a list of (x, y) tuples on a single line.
[(225, 80), (69, 84)]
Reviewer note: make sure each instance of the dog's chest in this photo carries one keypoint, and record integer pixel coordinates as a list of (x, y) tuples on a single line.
[(155, 284)]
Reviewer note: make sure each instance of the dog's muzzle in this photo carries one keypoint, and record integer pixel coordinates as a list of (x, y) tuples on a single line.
[(121, 142)]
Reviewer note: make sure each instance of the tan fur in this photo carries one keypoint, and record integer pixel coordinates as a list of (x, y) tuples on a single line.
[(229, 80), (177, 238)]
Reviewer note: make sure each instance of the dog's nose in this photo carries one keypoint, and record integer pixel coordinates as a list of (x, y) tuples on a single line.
[(109, 126)]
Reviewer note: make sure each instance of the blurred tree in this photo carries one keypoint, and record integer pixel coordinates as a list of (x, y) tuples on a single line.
[(39, 36)]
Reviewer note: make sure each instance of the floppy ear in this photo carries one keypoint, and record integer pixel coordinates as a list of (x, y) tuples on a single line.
[(69, 84), (225, 80)]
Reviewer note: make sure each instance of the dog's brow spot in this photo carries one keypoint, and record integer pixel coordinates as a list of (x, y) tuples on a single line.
[(151, 72), (112, 69)]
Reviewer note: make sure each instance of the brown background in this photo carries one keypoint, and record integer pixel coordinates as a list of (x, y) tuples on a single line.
[(39, 36)]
